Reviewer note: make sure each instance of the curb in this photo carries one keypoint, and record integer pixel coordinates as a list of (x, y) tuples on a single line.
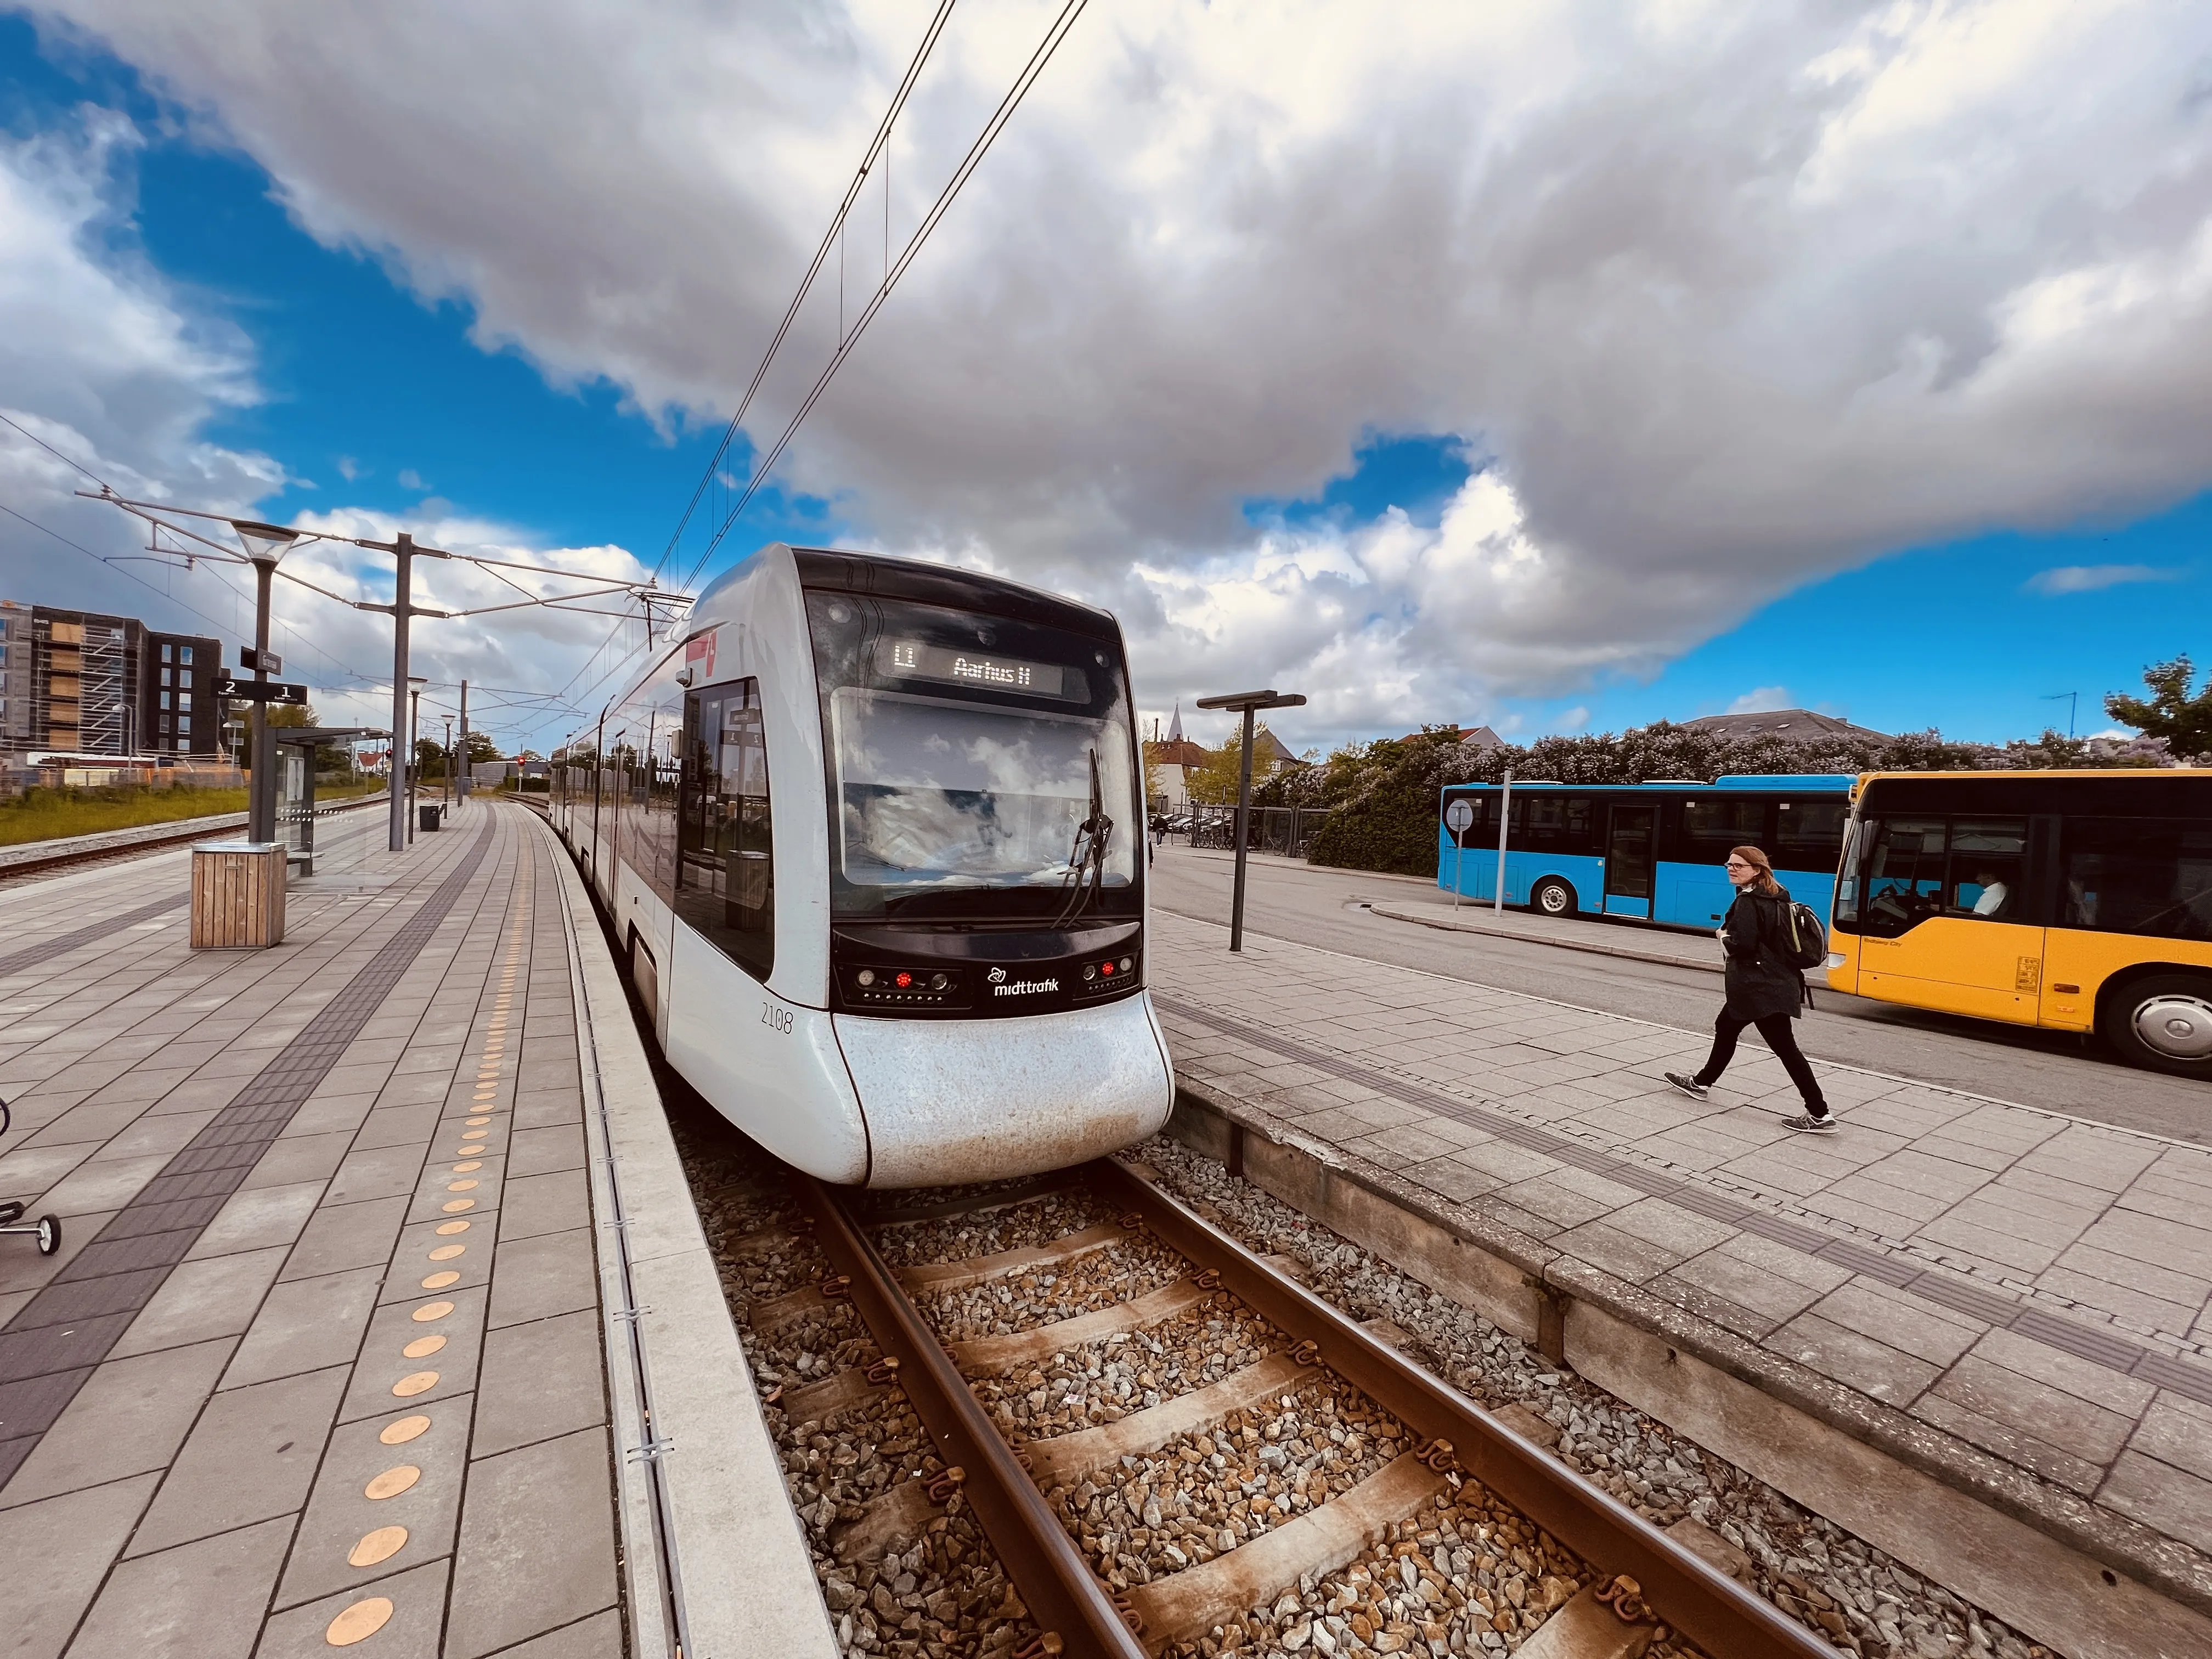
[(1627, 953), (737, 1569), (2084, 1579)]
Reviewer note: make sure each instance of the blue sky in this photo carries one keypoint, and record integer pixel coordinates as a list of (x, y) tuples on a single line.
[(369, 396)]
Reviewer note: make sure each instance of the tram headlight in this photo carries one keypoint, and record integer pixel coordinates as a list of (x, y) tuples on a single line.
[(867, 976), (1090, 971), (940, 981), (1128, 965)]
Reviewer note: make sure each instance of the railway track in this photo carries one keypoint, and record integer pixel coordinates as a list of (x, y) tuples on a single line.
[(1172, 1446), (203, 830)]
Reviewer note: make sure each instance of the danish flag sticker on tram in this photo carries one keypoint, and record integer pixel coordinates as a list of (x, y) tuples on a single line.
[(699, 655)]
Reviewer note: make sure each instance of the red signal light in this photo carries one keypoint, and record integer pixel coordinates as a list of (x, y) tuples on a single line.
[(1107, 969), (903, 981)]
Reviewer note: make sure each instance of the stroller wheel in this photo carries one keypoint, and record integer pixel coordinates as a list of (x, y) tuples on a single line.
[(50, 1234)]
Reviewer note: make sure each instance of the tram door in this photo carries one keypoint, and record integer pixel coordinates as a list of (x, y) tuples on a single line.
[(1631, 847)]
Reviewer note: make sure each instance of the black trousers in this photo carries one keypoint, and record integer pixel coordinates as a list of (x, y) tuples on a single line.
[(1775, 1028)]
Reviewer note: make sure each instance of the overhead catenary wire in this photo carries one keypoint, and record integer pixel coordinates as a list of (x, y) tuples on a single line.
[(831, 237), (1038, 60)]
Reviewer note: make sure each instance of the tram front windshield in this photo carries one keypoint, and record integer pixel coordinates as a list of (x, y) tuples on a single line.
[(966, 753)]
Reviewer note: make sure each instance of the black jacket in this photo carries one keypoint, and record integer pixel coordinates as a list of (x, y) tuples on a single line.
[(1760, 983)]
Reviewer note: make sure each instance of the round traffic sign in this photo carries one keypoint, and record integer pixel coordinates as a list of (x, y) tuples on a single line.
[(1459, 815)]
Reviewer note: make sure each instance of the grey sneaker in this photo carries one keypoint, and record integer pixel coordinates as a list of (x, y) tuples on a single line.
[(1689, 1086), (1809, 1125)]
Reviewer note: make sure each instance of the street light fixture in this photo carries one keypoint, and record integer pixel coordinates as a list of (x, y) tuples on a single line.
[(1251, 703), (415, 684), (265, 544)]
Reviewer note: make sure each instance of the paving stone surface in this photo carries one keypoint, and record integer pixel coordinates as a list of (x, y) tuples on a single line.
[(326, 1333), (2037, 1286)]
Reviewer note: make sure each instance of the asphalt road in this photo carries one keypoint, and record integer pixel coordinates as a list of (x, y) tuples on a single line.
[(2051, 1069)]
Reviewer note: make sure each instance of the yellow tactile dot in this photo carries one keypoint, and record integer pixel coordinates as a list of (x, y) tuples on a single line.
[(359, 1622), (424, 1346), (392, 1482), (438, 1281), (454, 1204), (406, 1429), (447, 1229), (379, 1546), (447, 1252), (472, 1123), (463, 1185), (415, 1383), (465, 1169), (431, 1310)]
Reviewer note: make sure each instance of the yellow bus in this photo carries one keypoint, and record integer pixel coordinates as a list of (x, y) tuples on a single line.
[(2074, 901)]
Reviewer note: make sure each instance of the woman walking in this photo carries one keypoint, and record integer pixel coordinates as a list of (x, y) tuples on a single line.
[(1763, 989)]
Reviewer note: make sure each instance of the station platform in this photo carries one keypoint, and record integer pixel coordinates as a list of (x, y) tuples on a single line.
[(336, 1351), (1974, 1332)]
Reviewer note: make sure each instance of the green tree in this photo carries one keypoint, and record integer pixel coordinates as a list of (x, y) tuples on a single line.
[(482, 748), (1214, 784), (2182, 721)]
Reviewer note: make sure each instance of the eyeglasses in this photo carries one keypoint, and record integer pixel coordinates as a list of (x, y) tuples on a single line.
[(1736, 864)]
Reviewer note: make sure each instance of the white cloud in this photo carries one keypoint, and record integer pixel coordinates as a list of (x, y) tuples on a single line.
[(1735, 296), (2089, 578), (411, 479), (1760, 700), (103, 363)]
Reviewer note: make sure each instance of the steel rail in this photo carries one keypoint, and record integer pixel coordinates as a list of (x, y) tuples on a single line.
[(127, 849), (1065, 1599), (1711, 1609)]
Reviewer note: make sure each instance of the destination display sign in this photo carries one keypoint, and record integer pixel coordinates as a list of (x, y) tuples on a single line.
[(912, 660), (261, 691)]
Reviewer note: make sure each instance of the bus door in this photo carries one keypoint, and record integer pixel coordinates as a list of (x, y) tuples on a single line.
[(1941, 894), (1632, 858)]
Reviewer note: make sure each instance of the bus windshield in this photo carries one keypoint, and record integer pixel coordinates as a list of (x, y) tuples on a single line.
[(966, 753)]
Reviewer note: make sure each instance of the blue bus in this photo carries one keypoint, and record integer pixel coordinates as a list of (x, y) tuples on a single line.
[(1652, 851)]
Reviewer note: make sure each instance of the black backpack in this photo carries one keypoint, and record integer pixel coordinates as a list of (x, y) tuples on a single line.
[(1803, 940)]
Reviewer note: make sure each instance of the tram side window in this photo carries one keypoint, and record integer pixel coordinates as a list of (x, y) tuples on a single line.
[(725, 883), (1970, 869), (1809, 835), (1710, 828), (2145, 876)]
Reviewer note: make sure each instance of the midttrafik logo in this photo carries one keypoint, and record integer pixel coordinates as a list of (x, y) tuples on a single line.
[(1003, 987)]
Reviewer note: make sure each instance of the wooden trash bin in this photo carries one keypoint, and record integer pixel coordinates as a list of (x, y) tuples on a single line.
[(237, 895)]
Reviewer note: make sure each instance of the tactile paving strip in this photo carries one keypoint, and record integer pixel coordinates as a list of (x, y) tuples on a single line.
[(113, 1277), (42, 954), (2107, 1348)]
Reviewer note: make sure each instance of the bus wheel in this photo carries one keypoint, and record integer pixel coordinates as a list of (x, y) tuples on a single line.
[(1553, 897), (2164, 1022)]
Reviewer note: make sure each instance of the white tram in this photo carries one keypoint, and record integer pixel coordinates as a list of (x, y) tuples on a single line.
[(873, 837)]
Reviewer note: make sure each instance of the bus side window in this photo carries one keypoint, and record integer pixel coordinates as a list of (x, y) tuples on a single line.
[(2144, 875), (1712, 826), (1988, 861), (1809, 835), (725, 885), (1904, 872)]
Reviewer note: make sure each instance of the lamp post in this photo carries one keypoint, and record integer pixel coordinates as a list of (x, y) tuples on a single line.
[(1251, 703), (449, 763), (415, 684), (264, 545)]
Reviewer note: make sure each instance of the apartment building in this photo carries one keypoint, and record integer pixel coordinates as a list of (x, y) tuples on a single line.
[(79, 682)]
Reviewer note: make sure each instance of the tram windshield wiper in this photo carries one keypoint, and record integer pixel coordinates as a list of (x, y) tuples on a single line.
[(1092, 837)]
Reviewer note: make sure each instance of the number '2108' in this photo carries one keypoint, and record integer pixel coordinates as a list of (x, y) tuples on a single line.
[(776, 1018)]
